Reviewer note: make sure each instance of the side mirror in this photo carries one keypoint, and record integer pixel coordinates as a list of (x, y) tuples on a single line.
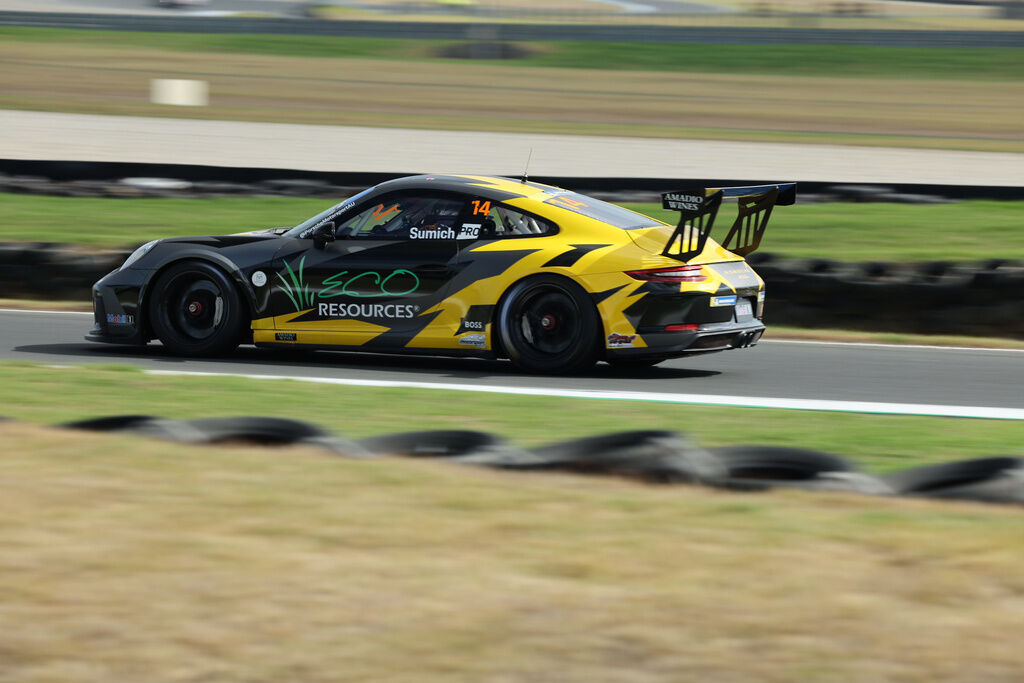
[(323, 235)]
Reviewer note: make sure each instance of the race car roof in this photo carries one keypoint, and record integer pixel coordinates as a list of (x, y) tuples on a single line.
[(491, 187)]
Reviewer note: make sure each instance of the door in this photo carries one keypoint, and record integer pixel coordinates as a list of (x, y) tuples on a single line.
[(378, 283)]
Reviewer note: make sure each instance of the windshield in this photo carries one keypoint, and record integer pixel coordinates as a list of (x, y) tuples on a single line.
[(601, 211), (323, 216)]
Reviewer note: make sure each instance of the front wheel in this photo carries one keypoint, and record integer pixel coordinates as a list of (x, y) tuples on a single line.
[(548, 324), (196, 310)]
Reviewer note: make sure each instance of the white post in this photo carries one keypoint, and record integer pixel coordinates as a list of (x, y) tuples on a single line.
[(179, 92)]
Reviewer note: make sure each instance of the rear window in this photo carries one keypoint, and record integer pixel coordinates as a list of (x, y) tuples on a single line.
[(601, 211)]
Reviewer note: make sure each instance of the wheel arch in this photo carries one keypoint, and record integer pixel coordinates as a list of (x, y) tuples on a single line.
[(233, 272), (498, 346)]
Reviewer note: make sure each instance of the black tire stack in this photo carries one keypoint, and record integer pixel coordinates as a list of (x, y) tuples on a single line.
[(656, 456)]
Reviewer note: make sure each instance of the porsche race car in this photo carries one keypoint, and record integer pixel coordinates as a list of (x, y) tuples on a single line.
[(478, 266)]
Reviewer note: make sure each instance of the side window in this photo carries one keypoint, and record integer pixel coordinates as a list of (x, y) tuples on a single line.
[(505, 221), (404, 216)]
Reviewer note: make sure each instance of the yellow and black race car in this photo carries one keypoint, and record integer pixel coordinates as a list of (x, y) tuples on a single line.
[(458, 265)]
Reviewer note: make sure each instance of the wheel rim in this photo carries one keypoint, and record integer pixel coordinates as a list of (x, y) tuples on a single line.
[(549, 322), (194, 306)]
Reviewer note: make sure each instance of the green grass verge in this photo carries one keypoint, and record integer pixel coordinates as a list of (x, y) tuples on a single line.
[(818, 60), (961, 231), (128, 555), (46, 395), (127, 222)]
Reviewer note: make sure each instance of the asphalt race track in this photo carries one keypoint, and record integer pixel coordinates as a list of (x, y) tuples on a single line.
[(89, 137), (850, 377)]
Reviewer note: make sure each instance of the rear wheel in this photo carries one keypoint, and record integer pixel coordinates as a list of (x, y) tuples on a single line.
[(196, 310), (548, 324)]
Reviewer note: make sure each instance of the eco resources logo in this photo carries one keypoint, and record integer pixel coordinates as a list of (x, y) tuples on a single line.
[(367, 284)]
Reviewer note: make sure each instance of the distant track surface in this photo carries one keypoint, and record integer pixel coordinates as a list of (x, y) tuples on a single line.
[(801, 375), (30, 135), (514, 32)]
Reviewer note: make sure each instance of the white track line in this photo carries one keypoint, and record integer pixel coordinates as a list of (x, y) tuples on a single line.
[(991, 413), (984, 412), (28, 310), (819, 342)]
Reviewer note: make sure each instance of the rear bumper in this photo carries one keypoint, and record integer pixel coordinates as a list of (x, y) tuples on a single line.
[(708, 338)]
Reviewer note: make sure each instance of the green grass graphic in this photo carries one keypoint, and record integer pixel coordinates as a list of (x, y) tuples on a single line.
[(297, 290)]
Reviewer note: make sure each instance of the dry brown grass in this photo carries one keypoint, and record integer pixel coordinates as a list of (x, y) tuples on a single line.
[(95, 79), (126, 559)]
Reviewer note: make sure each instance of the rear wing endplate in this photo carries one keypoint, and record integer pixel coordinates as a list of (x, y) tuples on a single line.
[(698, 208)]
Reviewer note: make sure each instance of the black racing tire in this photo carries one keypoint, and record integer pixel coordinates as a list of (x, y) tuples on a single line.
[(653, 455), (463, 446), (440, 443), (113, 423), (256, 430), (777, 463), (758, 468), (548, 324), (990, 480), (196, 310)]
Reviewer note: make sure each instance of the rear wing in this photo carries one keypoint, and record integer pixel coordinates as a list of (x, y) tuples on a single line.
[(697, 210)]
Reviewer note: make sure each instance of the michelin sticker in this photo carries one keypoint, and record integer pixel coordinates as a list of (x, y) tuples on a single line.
[(723, 300)]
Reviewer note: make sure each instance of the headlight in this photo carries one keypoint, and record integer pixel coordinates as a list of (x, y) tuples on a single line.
[(138, 253)]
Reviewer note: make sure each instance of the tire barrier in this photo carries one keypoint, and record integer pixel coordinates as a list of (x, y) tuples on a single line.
[(263, 431), (656, 456), (131, 179), (974, 299), (155, 187)]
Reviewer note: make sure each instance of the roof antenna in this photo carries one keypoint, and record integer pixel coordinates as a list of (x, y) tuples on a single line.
[(527, 169)]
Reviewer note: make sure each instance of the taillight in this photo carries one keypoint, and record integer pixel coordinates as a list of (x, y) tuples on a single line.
[(674, 274)]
